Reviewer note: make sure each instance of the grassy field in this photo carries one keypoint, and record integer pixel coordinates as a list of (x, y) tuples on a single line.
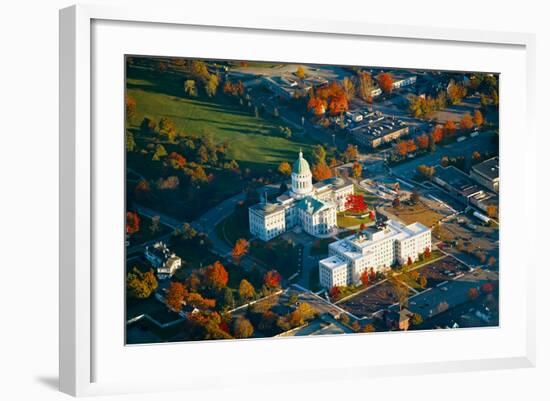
[(253, 142), (231, 229), (416, 213), (346, 221)]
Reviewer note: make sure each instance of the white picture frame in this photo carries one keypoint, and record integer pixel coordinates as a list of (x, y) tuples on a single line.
[(78, 164)]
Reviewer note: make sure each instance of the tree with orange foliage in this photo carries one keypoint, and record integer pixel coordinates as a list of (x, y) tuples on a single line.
[(478, 118), (239, 250), (401, 148), (132, 222), (423, 141), (351, 153), (175, 295), (301, 72), (438, 133), (450, 128), (321, 171), (365, 278), (272, 279), (411, 146), (130, 108), (356, 169), (216, 276), (466, 122), (338, 104), (317, 105), (456, 92), (385, 81), (196, 300)]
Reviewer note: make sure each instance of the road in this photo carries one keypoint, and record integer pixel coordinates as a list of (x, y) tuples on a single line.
[(482, 143), (205, 223)]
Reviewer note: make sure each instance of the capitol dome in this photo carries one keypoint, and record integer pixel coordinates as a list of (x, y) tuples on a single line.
[(301, 166)]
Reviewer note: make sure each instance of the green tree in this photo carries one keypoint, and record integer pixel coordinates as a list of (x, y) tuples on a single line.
[(242, 328), (160, 151), (246, 290), (227, 301), (190, 88), (211, 85), (319, 154), (416, 319), (141, 285), (130, 142)]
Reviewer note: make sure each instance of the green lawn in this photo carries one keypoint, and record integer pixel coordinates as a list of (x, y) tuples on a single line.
[(347, 221), (231, 229), (253, 142)]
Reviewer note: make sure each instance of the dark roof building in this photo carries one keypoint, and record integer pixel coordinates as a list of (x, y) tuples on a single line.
[(486, 173)]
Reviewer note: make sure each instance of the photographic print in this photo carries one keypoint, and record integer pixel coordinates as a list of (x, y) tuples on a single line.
[(285, 199)]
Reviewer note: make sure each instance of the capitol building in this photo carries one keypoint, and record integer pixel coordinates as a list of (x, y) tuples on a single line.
[(308, 206)]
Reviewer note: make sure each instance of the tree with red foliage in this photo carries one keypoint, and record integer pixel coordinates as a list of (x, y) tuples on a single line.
[(239, 250), (132, 222), (177, 161), (473, 293), (365, 278), (385, 81), (362, 227), (355, 203), (487, 288), (216, 276), (438, 133), (423, 141), (334, 292), (272, 279), (372, 274), (175, 295), (372, 215), (409, 261), (427, 252)]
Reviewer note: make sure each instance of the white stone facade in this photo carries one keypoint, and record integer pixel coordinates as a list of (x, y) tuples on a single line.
[(311, 207), (379, 249)]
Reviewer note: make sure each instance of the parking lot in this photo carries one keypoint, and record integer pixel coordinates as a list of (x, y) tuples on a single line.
[(377, 297), (442, 270)]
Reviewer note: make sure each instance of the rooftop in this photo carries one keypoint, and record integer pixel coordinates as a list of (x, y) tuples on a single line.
[(334, 262), (488, 168), (458, 180), (355, 245), (267, 208), (301, 166), (311, 205), (376, 125), (332, 183)]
